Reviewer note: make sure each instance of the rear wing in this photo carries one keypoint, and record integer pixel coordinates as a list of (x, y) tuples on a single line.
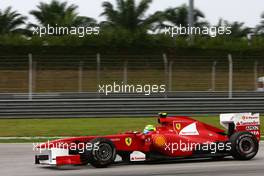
[(242, 122)]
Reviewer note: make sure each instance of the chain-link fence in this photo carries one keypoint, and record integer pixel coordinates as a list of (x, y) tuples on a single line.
[(38, 74)]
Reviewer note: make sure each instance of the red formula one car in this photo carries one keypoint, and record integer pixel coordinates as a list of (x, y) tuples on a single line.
[(174, 138)]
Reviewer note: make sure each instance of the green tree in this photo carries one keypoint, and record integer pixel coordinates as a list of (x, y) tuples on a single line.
[(11, 21), (179, 16), (260, 27), (128, 15), (238, 29), (59, 13)]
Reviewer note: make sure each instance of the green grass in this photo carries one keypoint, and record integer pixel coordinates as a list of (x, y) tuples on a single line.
[(80, 126), (71, 127)]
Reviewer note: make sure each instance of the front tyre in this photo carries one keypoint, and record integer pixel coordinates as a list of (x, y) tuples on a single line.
[(244, 145), (103, 153)]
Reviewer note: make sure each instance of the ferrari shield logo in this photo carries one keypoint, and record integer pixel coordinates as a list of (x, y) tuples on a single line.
[(128, 141), (178, 126)]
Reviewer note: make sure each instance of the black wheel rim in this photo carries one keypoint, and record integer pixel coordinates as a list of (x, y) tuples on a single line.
[(104, 153), (246, 145)]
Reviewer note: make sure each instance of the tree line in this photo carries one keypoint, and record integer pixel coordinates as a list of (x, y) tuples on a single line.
[(127, 17)]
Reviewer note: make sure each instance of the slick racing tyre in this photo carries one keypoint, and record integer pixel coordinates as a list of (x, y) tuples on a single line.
[(102, 155), (244, 145)]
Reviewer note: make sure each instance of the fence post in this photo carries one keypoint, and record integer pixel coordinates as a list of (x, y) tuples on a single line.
[(256, 74), (98, 72), (230, 89), (125, 72), (170, 75), (80, 78), (213, 75), (165, 59), (30, 76), (34, 76)]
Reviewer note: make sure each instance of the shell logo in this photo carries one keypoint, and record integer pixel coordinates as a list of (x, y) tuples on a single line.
[(159, 140)]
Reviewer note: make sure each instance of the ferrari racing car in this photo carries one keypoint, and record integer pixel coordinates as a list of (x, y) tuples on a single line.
[(174, 137)]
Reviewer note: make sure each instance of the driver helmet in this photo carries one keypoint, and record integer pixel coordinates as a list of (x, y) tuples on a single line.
[(149, 128)]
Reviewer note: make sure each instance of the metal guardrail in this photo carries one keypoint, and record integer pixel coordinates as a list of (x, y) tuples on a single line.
[(95, 95), (120, 107)]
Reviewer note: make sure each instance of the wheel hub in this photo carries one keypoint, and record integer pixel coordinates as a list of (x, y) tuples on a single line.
[(246, 145)]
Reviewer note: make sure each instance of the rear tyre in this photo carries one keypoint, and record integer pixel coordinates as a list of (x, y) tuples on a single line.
[(103, 153), (244, 145)]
